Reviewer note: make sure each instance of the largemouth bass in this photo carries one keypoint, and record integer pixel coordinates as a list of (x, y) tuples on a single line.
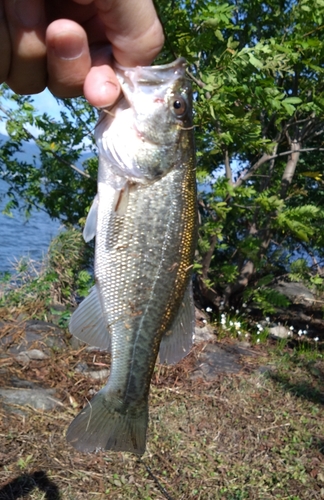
[(145, 222)]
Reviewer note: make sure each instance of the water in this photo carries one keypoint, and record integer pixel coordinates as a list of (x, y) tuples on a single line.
[(21, 238)]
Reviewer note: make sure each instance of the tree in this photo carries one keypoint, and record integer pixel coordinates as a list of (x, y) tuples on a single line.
[(259, 108), (60, 180), (259, 117)]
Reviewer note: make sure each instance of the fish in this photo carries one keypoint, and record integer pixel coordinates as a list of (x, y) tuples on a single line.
[(144, 219)]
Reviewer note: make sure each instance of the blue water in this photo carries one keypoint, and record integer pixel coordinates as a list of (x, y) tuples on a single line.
[(21, 238)]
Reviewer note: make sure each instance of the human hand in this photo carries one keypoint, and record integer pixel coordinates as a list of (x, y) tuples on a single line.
[(67, 45)]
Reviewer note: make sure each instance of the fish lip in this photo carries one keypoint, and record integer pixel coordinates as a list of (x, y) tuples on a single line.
[(180, 62), (150, 75)]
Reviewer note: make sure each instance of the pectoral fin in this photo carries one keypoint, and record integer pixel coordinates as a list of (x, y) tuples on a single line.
[(177, 342), (89, 230), (87, 322)]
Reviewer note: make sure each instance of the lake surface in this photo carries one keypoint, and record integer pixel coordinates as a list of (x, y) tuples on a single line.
[(21, 238)]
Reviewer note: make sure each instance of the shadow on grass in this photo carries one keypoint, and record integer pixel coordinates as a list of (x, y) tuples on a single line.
[(301, 389), (22, 485)]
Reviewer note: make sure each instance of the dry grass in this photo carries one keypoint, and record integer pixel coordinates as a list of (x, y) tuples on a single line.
[(249, 436)]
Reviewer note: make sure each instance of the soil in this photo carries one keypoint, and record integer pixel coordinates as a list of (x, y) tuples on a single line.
[(230, 421)]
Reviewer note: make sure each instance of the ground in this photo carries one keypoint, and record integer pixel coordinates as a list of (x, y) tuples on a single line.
[(255, 431)]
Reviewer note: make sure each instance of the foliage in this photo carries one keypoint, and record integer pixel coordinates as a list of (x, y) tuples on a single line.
[(259, 127), (61, 178), (59, 279), (257, 71)]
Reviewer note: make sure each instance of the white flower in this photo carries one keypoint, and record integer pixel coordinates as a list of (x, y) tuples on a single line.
[(258, 341), (232, 308), (231, 323), (260, 327), (237, 325), (244, 305), (291, 327), (267, 319), (209, 309), (300, 332), (239, 333), (237, 311), (246, 335), (316, 339), (305, 332)]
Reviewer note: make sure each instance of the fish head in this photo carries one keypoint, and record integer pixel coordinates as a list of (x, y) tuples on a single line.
[(160, 99), (143, 139)]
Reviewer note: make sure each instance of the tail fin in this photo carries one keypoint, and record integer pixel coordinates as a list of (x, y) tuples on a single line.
[(100, 425)]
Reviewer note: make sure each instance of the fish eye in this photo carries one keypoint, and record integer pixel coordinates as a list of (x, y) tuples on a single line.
[(179, 105)]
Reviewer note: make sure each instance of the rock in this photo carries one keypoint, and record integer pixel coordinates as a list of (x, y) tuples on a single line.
[(98, 374), (279, 332), (33, 334), (94, 374), (214, 360), (200, 314), (40, 399), (81, 367), (266, 369), (296, 292), (26, 356), (203, 334), (23, 384), (219, 358), (51, 334)]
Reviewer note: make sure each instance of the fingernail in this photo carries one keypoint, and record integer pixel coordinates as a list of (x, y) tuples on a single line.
[(107, 94), (68, 46), (29, 12)]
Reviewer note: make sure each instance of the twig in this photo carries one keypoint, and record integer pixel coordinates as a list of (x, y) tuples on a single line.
[(156, 481)]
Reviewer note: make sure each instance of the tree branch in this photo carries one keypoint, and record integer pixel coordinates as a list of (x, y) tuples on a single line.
[(228, 169), (290, 169)]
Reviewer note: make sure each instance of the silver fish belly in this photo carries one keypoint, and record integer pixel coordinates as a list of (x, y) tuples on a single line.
[(145, 219)]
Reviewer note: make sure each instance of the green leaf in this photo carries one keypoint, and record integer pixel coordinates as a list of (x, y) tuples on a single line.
[(292, 100)]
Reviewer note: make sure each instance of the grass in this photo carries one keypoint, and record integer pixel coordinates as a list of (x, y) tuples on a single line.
[(248, 436)]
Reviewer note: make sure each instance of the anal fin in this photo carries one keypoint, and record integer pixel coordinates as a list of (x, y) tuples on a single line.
[(177, 342)]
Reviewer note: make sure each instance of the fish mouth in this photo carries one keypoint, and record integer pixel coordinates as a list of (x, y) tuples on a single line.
[(150, 75), (177, 64)]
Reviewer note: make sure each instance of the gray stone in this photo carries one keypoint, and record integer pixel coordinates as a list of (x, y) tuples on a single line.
[(94, 374), (40, 399), (203, 334), (23, 384), (41, 335), (98, 374), (33, 354), (279, 332), (266, 369), (214, 360), (296, 292), (81, 367)]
